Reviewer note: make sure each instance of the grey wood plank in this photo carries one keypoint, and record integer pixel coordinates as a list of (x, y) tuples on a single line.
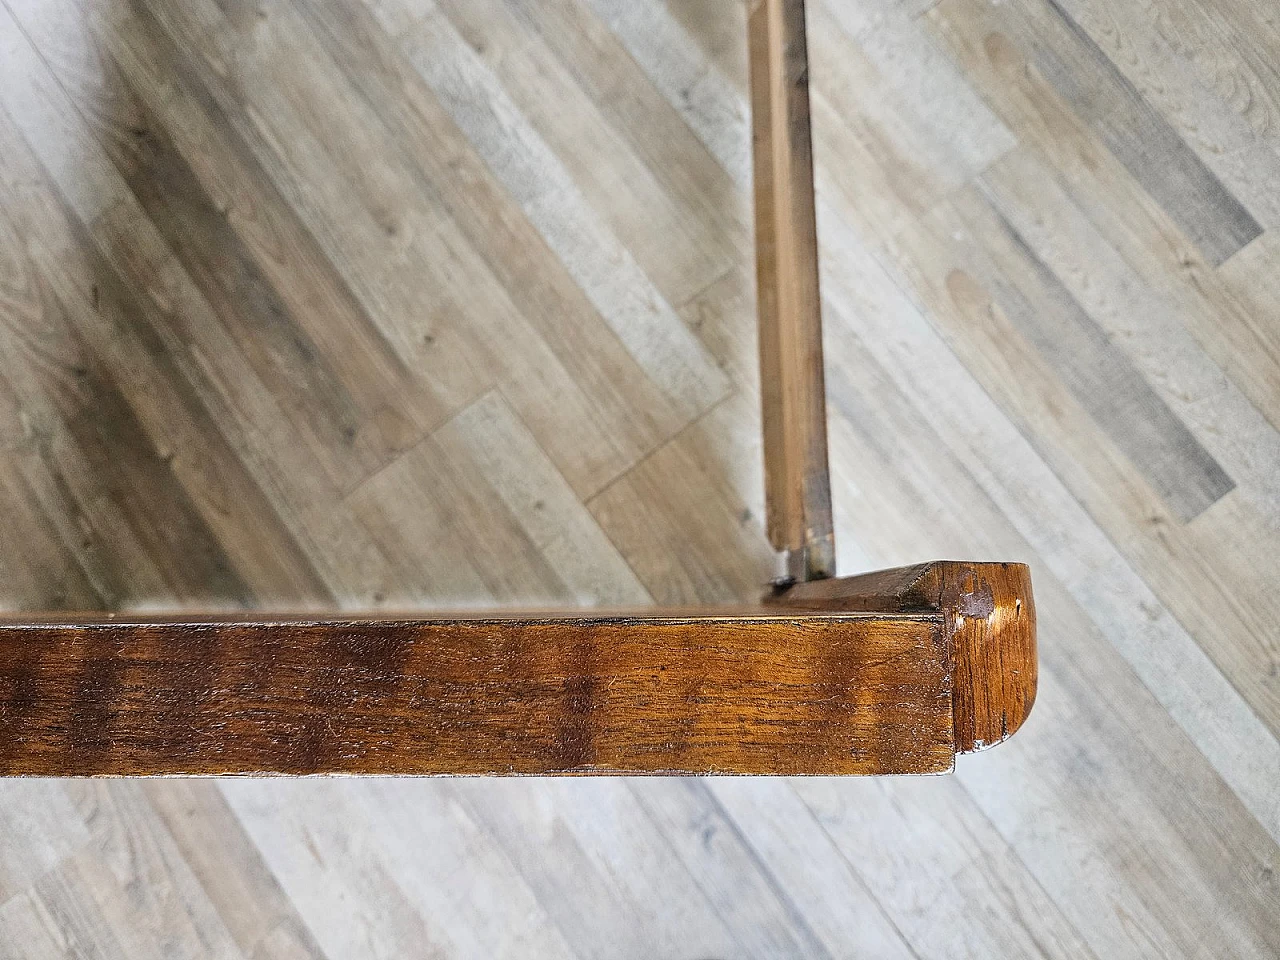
[(151, 362), (1253, 283), (130, 893), (29, 932), (492, 436), (434, 511), (362, 844), (590, 404), (47, 574), (1209, 584), (1074, 549), (1102, 378), (930, 93), (636, 311), (238, 238), (680, 249), (712, 104), (1201, 337), (765, 919), (102, 456), (325, 151), (623, 92), (1138, 134), (248, 898), (1134, 817), (790, 845), (1149, 242), (1224, 117), (39, 828), (317, 845), (607, 874), (1145, 324), (1117, 793)]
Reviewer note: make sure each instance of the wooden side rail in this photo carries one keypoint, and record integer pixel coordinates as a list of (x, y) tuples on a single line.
[(859, 681)]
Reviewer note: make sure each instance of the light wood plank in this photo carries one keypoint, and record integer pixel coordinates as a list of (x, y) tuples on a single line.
[(588, 402), (1073, 548), (568, 842), (1238, 340), (636, 311), (680, 252), (1133, 807)]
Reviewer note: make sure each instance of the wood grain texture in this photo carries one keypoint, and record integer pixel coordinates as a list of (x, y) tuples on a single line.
[(821, 694), (1001, 269), (792, 385), (989, 617), (1138, 134), (1135, 815), (892, 672)]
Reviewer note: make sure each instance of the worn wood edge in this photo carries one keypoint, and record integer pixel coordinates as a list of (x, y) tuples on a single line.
[(783, 693), (765, 612), (990, 616)]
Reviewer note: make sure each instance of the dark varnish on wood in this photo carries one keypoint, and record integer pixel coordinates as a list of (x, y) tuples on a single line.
[(892, 672), (990, 623), (809, 694)]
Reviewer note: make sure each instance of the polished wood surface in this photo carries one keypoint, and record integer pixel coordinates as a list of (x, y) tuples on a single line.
[(545, 207), (837, 678), (989, 624), (792, 384), (856, 694)]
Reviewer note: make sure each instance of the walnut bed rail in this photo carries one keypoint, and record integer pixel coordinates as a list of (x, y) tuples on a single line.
[(885, 673), (889, 673)]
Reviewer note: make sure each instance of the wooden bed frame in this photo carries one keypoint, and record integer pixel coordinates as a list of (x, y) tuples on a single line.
[(892, 672)]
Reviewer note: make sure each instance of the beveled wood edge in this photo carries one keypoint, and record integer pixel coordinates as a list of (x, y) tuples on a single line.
[(990, 618), (249, 618)]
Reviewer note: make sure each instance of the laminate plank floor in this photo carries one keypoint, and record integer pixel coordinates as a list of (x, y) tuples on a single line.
[(426, 304)]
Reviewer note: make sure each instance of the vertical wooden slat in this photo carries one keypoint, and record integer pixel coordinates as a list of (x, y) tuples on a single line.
[(797, 481)]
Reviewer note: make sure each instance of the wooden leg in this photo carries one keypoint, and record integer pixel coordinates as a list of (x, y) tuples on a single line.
[(797, 480)]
